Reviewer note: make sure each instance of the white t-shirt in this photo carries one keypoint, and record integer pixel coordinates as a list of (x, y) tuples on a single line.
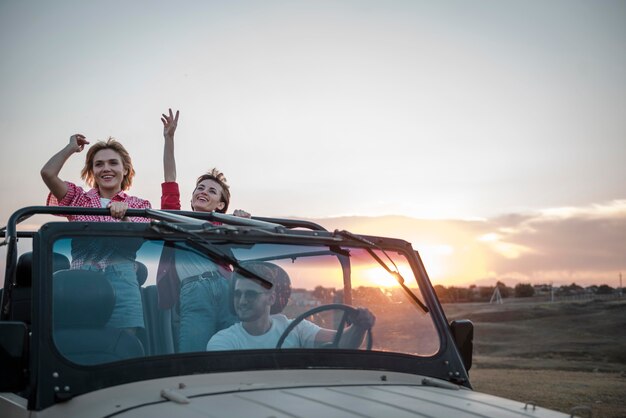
[(237, 338)]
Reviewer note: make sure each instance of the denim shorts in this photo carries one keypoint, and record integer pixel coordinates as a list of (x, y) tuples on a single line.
[(128, 309), (204, 310)]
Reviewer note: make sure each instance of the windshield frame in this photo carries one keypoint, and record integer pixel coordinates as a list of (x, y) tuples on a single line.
[(56, 373)]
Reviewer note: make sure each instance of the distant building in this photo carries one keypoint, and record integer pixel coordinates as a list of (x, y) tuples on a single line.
[(542, 289)]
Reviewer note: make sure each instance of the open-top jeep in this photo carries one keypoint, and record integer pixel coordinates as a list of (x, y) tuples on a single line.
[(59, 357)]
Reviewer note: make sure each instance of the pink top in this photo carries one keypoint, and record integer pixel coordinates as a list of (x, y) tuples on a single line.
[(77, 197), (84, 250)]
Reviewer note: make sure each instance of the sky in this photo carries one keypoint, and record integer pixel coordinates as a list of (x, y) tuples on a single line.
[(490, 134)]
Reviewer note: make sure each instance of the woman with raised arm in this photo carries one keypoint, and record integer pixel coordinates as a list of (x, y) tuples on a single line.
[(199, 287), (211, 193), (109, 171)]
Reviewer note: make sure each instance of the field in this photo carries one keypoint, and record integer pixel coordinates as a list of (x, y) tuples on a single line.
[(558, 355)]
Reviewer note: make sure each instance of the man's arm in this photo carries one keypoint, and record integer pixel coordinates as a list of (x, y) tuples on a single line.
[(353, 335), (50, 171)]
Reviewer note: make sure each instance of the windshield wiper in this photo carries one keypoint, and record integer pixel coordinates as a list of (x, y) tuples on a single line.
[(394, 273), (200, 243)]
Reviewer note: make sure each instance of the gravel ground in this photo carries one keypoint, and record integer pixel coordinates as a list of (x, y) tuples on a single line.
[(604, 394)]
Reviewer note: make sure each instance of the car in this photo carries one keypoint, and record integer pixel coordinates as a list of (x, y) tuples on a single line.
[(61, 358)]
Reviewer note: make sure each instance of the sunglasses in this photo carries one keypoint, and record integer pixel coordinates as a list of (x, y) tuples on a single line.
[(247, 294)]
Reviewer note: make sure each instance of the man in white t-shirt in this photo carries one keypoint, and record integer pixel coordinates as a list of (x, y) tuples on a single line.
[(259, 329)]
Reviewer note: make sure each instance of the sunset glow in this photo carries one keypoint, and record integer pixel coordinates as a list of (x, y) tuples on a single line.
[(489, 135), (535, 248), (376, 276)]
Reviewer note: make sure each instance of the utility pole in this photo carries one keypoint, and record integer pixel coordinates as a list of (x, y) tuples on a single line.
[(620, 284), (496, 297)]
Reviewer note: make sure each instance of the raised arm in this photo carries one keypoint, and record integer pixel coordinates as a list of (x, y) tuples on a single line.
[(50, 171), (169, 162)]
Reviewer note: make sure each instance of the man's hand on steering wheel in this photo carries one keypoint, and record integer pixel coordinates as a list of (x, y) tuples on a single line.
[(362, 318), (361, 321)]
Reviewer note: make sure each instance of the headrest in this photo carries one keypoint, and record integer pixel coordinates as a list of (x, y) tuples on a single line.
[(142, 272), (24, 270), (82, 299), (281, 284)]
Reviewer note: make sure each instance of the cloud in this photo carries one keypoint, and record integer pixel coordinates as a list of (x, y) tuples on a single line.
[(585, 244)]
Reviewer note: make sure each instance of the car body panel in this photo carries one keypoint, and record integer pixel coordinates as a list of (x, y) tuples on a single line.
[(418, 364), (291, 393)]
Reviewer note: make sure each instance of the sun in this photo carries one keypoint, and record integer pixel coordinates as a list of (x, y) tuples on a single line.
[(376, 275)]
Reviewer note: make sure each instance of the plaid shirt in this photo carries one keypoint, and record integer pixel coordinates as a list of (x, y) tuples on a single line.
[(91, 251)]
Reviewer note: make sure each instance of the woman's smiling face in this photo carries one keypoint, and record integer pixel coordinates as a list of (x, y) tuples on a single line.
[(207, 197), (108, 172)]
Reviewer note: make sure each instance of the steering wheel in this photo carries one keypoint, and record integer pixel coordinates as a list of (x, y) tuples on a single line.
[(347, 311)]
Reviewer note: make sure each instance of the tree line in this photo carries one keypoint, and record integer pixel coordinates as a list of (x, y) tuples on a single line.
[(475, 293)]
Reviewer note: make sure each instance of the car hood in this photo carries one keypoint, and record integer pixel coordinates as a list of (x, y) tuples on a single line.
[(295, 393)]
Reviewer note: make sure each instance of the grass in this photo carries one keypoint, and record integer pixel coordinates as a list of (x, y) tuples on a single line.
[(558, 355)]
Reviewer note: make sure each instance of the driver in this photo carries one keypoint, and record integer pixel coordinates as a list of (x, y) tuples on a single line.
[(259, 328)]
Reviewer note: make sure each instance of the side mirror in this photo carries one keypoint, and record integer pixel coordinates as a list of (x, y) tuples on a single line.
[(463, 334), (13, 357)]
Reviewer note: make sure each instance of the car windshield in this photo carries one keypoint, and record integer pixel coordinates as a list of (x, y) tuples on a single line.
[(120, 297)]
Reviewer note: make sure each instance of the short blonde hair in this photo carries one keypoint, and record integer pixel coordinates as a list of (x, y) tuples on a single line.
[(112, 144)]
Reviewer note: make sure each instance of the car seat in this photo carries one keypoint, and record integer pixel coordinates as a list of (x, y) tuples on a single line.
[(142, 272), (158, 334), (82, 305), (21, 294)]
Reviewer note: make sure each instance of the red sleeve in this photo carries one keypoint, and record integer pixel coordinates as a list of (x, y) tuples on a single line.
[(170, 195)]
